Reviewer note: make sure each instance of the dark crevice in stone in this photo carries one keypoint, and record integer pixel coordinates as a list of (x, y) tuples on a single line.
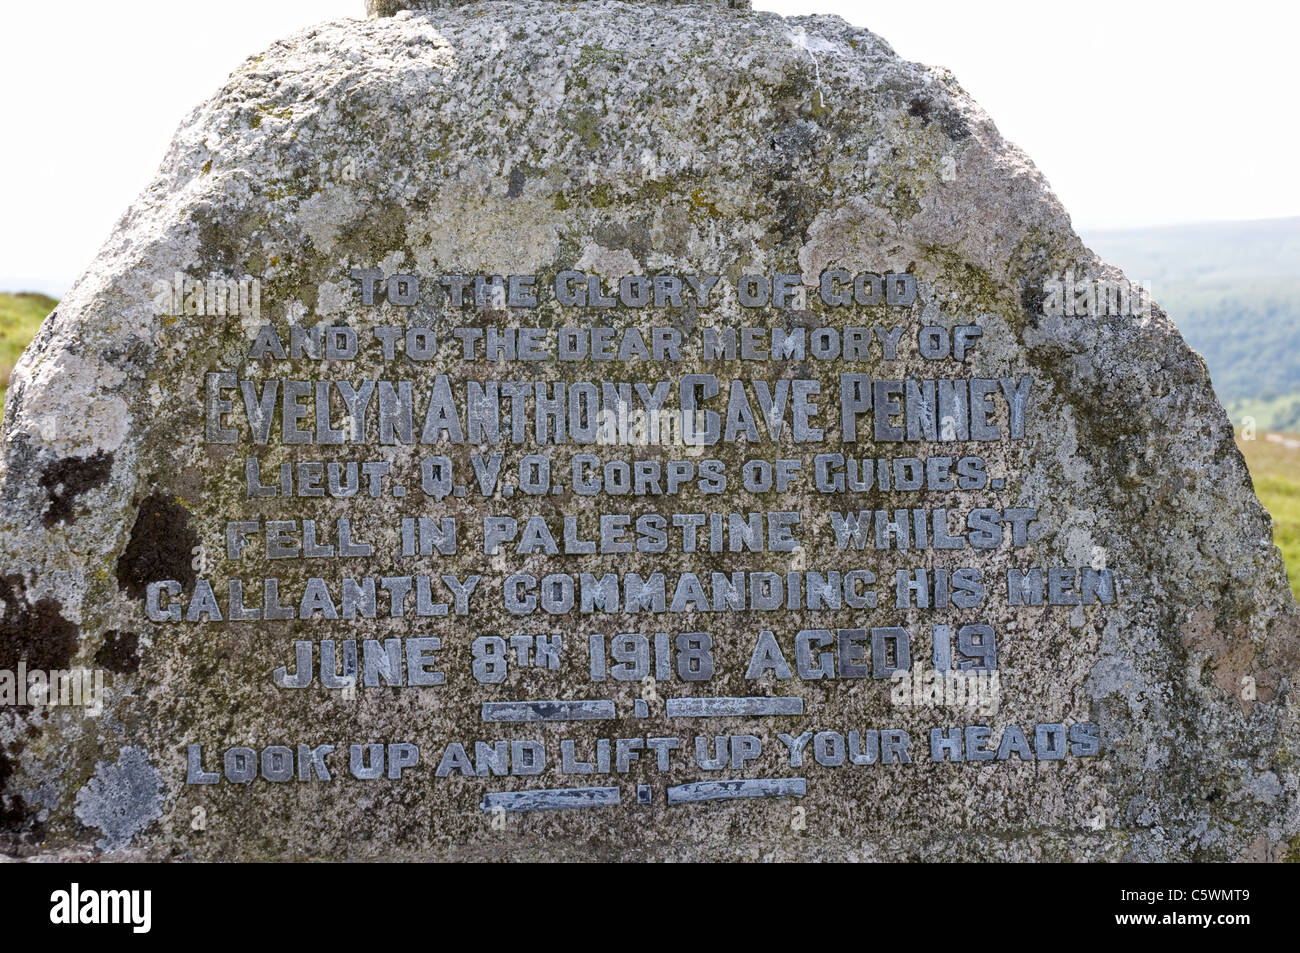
[(516, 184), (119, 653), (161, 547), (950, 121), (15, 819), (70, 477), (35, 634)]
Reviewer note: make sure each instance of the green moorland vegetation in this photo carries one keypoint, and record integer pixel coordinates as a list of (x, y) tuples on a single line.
[(20, 316), (1274, 463)]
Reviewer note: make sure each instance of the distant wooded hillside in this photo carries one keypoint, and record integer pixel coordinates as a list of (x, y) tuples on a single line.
[(1233, 289)]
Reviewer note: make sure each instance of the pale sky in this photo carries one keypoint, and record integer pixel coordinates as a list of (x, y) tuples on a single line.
[(1139, 113)]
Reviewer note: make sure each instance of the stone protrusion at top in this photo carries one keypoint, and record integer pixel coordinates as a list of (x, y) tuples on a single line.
[(388, 8)]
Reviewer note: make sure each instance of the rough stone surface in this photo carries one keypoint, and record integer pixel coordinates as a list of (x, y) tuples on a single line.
[(532, 137)]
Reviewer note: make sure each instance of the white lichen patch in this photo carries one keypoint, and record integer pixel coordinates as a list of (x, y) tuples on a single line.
[(122, 798), (69, 404), (609, 262)]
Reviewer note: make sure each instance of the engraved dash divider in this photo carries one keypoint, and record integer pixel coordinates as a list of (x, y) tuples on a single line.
[(720, 707), (580, 710), (549, 799), (698, 791)]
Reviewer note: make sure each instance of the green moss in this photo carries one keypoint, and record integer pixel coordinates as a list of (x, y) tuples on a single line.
[(594, 57), (277, 192), (655, 190), (818, 105), (701, 206), (976, 289), (586, 128), (283, 112), (1292, 855)]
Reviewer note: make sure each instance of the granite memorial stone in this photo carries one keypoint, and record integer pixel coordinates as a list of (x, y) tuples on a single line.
[(606, 430)]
